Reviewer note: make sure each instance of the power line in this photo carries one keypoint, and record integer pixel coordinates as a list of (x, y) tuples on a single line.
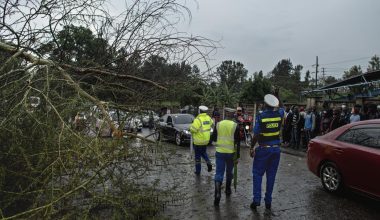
[(346, 61)]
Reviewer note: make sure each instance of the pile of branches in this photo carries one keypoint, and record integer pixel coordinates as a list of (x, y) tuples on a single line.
[(47, 168)]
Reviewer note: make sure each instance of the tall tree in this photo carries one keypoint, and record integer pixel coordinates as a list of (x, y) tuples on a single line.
[(50, 170), (256, 88), (374, 64), (78, 45), (330, 80), (231, 74), (353, 71), (307, 79), (286, 76), (295, 83), (280, 75)]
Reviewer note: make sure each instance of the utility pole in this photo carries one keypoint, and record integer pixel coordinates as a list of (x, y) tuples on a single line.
[(316, 73)]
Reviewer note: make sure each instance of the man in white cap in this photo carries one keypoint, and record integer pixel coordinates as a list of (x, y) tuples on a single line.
[(200, 130), (267, 154)]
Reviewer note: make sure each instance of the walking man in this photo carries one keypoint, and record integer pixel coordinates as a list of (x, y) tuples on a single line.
[(200, 130), (267, 154), (227, 135)]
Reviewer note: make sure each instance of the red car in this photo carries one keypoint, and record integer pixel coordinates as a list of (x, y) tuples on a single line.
[(348, 156)]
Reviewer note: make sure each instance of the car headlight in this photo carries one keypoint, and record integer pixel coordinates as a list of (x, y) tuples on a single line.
[(186, 132), (247, 127)]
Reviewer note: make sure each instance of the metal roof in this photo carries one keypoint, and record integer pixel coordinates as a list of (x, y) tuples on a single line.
[(363, 79)]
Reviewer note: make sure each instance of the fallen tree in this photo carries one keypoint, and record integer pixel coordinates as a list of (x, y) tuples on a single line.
[(47, 168)]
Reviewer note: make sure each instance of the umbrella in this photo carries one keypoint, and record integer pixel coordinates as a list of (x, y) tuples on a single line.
[(191, 145), (235, 168)]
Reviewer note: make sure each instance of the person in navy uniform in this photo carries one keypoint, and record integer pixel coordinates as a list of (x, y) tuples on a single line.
[(267, 154)]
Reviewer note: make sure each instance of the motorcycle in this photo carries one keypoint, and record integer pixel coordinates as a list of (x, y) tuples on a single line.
[(246, 123)]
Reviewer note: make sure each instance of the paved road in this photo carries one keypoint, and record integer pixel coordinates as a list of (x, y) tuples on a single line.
[(298, 194)]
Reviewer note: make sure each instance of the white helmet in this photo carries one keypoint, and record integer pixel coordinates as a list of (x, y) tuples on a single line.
[(203, 108), (271, 100)]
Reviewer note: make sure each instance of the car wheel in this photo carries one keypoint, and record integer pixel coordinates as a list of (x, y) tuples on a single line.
[(331, 177), (178, 139)]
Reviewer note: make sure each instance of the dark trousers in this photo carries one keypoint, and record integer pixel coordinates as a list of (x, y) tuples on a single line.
[(266, 161), (286, 135), (308, 136), (295, 141), (200, 152), (224, 162)]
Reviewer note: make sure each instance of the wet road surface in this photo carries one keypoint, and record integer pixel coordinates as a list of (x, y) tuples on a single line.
[(297, 194)]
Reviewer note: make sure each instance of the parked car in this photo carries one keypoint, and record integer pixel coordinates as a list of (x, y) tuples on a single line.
[(146, 118), (133, 124), (348, 157), (129, 121), (174, 127)]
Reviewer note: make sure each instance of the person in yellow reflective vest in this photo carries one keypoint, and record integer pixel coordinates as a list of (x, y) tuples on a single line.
[(227, 137), (200, 130), (267, 154)]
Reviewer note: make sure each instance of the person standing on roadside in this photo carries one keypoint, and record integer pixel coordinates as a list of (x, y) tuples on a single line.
[(287, 129), (309, 126), (344, 116), (356, 116), (295, 136)]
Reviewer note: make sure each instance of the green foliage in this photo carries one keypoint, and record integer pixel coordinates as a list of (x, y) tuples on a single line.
[(353, 71), (281, 72), (288, 96), (374, 64), (231, 74), (219, 95), (286, 76), (330, 80), (255, 90), (78, 45)]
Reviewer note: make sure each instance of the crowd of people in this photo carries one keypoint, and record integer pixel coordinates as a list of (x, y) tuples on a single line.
[(300, 126)]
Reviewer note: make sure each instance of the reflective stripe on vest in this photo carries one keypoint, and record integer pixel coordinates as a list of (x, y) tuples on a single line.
[(270, 128), (202, 136), (226, 132), (271, 134), (271, 119)]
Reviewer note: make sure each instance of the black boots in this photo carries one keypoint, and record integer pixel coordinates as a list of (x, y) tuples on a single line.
[(218, 195), (228, 187), (253, 206), (209, 167), (268, 206)]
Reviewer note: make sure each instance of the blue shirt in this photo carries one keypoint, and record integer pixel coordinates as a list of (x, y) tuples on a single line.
[(267, 114)]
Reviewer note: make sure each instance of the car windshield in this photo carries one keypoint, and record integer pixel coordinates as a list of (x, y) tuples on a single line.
[(183, 119)]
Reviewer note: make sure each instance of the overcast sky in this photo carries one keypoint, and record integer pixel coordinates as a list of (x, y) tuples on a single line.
[(259, 33)]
